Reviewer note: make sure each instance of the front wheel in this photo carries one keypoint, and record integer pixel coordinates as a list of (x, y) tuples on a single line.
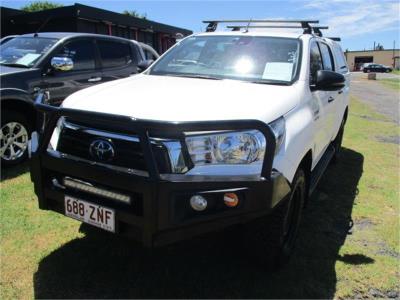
[(272, 239), (14, 135)]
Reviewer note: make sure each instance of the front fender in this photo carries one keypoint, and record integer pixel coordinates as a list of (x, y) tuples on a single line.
[(16, 94)]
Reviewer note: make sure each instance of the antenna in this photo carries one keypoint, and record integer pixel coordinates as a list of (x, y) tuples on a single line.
[(41, 26), (247, 27)]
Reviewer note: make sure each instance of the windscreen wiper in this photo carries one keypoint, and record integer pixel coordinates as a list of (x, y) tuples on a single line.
[(14, 65), (194, 76), (274, 82)]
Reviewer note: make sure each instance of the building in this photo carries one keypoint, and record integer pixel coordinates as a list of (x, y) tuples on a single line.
[(82, 18), (385, 57)]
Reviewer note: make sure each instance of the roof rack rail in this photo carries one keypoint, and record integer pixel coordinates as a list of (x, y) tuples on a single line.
[(336, 39), (305, 24)]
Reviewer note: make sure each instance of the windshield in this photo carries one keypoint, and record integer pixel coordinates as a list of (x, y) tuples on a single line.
[(256, 59), (24, 51)]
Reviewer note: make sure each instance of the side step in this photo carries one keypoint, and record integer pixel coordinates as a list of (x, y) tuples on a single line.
[(320, 168)]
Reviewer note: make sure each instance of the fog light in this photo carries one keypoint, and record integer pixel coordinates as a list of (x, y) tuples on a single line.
[(198, 203), (231, 199)]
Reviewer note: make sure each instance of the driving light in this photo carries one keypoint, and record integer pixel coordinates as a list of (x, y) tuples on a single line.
[(198, 203), (231, 199), (242, 147), (89, 188)]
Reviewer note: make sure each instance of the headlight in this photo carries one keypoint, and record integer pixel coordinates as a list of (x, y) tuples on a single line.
[(279, 129), (243, 147)]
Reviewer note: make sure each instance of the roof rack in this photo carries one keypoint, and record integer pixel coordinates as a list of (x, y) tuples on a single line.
[(304, 24)]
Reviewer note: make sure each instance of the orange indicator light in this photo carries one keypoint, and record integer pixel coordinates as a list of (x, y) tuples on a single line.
[(231, 199)]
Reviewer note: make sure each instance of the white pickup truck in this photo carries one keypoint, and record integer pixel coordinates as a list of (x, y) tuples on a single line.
[(226, 128)]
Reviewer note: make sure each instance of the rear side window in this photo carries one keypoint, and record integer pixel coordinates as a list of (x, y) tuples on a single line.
[(81, 52), (315, 62), (326, 57), (340, 59), (114, 54)]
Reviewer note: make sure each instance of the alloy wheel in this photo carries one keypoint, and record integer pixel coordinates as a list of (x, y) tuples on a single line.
[(13, 141)]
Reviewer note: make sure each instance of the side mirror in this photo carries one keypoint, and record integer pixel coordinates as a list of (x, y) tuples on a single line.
[(144, 64), (62, 63), (329, 81)]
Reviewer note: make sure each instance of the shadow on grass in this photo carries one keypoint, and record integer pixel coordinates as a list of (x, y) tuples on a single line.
[(102, 265), (11, 172)]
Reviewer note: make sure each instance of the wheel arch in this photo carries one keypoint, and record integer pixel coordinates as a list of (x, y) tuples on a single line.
[(22, 106), (346, 112), (305, 165)]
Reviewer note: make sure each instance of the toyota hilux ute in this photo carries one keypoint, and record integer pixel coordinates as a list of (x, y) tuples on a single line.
[(236, 127)]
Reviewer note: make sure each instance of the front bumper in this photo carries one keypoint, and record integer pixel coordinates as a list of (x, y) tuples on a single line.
[(160, 212)]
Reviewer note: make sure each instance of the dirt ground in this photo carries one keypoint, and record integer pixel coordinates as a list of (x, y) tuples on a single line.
[(373, 93)]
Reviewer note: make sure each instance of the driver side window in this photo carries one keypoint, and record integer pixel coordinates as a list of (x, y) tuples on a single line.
[(81, 52), (315, 62)]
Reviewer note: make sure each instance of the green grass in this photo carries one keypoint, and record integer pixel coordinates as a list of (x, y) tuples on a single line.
[(46, 255), (393, 83), (396, 72)]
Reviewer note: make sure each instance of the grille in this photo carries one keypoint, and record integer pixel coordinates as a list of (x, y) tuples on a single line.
[(75, 139)]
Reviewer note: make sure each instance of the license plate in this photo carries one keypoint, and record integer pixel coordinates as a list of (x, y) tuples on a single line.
[(90, 213)]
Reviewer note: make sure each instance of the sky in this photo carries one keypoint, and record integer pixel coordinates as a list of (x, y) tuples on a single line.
[(359, 23)]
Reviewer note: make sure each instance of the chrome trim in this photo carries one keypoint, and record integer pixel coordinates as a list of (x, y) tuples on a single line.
[(102, 133), (95, 163)]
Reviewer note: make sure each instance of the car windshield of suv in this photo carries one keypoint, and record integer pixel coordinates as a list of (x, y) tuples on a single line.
[(251, 58), (24, 51)]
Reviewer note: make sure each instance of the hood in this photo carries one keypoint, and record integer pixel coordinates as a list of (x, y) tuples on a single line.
[(177, 99), (7, 70)]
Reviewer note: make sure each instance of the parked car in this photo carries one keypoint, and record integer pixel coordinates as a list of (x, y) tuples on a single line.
[(364, 65), (149, 51), (258, 117), (377, 68), (62, 63)]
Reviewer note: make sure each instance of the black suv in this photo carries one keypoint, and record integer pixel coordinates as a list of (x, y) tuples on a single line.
[(377, 68), (61, 63)]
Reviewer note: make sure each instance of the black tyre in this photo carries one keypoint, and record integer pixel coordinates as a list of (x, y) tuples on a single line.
[(271, 240), (337, 143), (14, 135)]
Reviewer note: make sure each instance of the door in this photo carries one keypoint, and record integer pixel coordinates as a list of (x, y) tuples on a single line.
[(117, 59), (342, 96), (83, 74), (320, 105), (332, 101)]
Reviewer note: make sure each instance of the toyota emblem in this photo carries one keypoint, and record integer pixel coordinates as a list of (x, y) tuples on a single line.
[(102, 150)]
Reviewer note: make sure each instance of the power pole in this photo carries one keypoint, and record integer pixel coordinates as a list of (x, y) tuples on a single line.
[(394, 46)]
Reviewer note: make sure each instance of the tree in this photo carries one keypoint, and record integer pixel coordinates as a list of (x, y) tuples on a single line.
[(40, 5), (134, 13)]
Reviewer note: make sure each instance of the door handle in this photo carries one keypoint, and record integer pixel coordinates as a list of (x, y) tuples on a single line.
[(94, 79), (330, 99), (340, 92)]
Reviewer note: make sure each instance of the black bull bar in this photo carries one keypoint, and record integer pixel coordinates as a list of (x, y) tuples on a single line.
[(270, 184)]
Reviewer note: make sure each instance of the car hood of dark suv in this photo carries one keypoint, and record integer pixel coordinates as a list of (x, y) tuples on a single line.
[(7, 70)]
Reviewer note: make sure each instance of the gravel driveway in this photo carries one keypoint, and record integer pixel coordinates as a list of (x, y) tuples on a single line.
[(383, 99)]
